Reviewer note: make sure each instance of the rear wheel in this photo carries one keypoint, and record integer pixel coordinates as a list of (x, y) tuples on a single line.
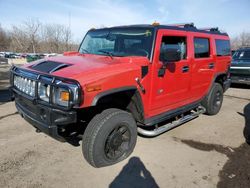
[(110, 137), (248, 141), (246, 132), (214, 100)]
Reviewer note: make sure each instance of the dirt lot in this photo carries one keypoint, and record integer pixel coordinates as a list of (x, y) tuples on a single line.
[(205, 152)]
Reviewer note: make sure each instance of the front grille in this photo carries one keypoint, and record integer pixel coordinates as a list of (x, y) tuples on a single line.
[(41, 88), (25, 85)]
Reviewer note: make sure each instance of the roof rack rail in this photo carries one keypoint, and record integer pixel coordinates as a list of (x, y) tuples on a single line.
[(185, 25), (213, 29)]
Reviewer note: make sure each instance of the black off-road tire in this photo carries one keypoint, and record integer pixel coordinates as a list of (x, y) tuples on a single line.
[(248, 141), (109, 138), (213, 100), (246, 131)]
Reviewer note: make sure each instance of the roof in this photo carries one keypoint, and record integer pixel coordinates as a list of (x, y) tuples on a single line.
[(182, 27)]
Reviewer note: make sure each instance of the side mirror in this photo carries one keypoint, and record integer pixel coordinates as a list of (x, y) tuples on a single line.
[(170, 55)]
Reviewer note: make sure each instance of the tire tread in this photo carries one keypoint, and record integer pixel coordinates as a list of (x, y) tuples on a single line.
[(92, 131)]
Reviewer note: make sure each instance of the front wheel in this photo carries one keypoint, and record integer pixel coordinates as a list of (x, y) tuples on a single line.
[(109, 138), (213, 100)]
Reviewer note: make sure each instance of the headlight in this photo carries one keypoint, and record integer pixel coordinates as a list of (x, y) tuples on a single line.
[(43, 91), (61, 96), (64, 96)]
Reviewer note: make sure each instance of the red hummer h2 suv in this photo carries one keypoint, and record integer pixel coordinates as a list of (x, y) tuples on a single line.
[(125, 80)]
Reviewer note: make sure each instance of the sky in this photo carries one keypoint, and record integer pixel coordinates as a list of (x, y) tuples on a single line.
[(232, 16)]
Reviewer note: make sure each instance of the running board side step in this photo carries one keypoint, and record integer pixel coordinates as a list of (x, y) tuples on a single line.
[(159, 130)]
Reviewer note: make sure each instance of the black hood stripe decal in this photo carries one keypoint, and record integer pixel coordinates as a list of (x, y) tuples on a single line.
[(49, 66)]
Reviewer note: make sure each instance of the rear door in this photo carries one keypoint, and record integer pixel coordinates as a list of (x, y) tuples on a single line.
[(203, 65)]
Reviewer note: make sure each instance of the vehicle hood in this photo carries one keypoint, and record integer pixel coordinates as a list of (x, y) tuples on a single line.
[(86, 67)]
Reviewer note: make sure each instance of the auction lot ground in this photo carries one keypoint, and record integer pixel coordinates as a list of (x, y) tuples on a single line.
[(209, 151)]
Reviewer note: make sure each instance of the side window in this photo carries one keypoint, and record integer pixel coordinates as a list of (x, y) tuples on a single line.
[(175, 43), (222, 47), (201, 48)]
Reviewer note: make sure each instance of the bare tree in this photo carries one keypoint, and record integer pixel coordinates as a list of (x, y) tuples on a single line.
[(244, 39), (67, 39), (4, 40), (19, 40), (241, 41), (57, 38), (33, 36), (25, 37), (31, 28)]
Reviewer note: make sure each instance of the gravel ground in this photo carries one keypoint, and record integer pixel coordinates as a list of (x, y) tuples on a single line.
[(209, 151)]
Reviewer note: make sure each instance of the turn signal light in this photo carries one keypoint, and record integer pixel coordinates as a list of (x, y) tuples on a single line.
[(93, 88), (64, 96)]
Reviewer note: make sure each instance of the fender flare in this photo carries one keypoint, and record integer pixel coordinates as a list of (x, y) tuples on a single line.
[(111, 91), (213, 81)]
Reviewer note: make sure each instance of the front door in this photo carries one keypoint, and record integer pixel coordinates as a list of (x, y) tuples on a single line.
[(170, 90)]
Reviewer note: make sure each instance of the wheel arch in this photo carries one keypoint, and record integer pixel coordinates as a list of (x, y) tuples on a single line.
[(125, 98), (218, 78)]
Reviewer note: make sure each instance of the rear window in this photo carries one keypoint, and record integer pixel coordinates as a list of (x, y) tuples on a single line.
[(201, 48), (222, 47)]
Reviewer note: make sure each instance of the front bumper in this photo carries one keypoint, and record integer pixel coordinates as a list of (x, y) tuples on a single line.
[(240, 79), (44, 118)]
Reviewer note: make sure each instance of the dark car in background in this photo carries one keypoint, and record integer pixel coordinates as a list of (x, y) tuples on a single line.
[(240, 67), (34, 57)]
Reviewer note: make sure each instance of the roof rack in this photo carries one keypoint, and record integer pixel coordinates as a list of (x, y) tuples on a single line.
[(185, 25), (212, 29)]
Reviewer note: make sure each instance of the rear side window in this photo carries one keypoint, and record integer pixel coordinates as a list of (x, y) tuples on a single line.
[(222, 47), (201, 47)]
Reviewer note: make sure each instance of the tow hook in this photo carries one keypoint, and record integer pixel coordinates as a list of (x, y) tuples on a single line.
[(140, 85)]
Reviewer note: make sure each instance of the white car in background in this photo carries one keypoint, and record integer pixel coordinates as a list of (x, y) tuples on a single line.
[(2, 54), (50, 54)]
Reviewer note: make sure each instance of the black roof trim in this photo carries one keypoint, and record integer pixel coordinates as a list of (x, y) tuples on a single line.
[(172, 27)]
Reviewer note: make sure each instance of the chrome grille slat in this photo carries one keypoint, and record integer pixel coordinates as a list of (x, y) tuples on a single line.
[(25, 85)]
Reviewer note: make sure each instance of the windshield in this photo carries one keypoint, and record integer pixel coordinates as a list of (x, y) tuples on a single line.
[(242, 55), (118, 42)]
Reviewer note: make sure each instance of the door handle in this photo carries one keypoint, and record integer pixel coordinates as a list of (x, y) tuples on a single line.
[(211, 65), (185, 69)]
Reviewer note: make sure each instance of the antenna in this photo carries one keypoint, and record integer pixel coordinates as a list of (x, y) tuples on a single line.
[(69, 20)]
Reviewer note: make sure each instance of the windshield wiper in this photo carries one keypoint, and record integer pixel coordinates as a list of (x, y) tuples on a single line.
[(110, 54), (84, 50)]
